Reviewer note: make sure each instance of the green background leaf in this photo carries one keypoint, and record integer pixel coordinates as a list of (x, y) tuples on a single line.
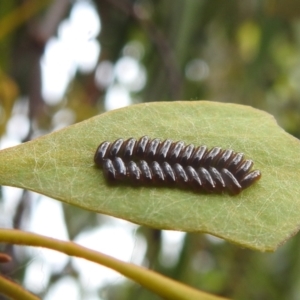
[(60, 165)]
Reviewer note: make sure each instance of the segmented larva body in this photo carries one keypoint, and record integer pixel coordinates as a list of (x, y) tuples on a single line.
[(150, 150), (201, 179), (147, 161)]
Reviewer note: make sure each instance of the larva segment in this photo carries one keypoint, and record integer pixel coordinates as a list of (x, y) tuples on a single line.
[(224, 157), (186, 154), (109, 170), (114, 148), (210, 156), (151, 149), (197, 156), (120, 168), (206, 179), (234, 162), (141, 147), (100, 153), (128, 148), (169, 172), (134, 172), (194, 179), (147, 161), (243, 169), (163, 151), (217, 178), (146, 171), (174, 153), (250, 178), (181, 176), (231, 182), (157, 172)]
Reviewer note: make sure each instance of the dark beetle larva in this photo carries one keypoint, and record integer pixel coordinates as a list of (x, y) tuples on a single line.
[(172, 152), (150, 150), (152, 161), (201, 179)]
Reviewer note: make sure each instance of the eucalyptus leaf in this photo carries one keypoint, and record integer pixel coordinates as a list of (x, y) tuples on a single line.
[(60, 165)]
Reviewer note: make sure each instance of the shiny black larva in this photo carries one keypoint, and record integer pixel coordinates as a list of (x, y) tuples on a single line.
[(208, 179), (153, 149), (141, 161)]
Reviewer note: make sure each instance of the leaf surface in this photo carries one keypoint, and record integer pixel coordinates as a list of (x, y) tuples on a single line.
[(60, 165)]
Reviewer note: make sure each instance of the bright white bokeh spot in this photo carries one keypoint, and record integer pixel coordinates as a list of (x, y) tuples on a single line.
[(18, 127), (7, 142), (127, 70), (85, 20), (48, 220), (37, 275), (74, 49), (11, 198), (140, 244), (172, 242), (57, 70), (197, 70), (65, 288), (114, 241), (104, 74), (83, 50), (130, 73), (88, 56), (117, 96)]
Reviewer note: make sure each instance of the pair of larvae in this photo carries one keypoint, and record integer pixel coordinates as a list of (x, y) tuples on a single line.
[(150, 161)]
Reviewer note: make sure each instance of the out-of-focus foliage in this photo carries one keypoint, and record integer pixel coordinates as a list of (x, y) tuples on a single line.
[(246, 52)]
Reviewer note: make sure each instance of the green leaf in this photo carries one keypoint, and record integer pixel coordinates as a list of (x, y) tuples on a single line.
[(60, 165)]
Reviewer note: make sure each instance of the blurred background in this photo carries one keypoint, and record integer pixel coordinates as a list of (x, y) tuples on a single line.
[(64, 61)]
